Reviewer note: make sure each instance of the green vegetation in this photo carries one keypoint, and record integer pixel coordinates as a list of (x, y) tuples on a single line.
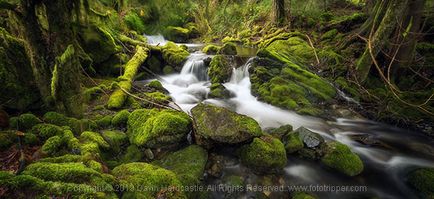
[(338, 156)]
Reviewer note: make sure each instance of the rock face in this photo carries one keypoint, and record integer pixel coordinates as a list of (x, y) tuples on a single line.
[(339, 156), (216, 125), (153, 128), (264, 154)]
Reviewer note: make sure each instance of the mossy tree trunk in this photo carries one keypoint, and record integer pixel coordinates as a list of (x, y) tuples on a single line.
[(379, 37), (47, 47)]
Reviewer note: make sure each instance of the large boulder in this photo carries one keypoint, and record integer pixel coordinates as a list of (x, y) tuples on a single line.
[(340, 157), (142, 180), (422, 180), (153, 128), (217, 125), (174, 55), (264, 154), (220, 69)]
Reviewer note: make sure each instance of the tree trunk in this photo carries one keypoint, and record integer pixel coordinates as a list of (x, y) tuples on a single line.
[(279, 12), (380, 37)]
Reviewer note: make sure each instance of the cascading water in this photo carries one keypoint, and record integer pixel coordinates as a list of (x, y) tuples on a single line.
[(156, 40), (386, 164)]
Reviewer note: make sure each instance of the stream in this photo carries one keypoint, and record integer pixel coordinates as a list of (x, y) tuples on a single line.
[(388, 155)]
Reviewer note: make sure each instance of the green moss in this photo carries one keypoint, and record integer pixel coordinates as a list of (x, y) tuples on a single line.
[(120, 118), (219, 91), (338, 156), (24, 122), (293, 143), (92, 93), (265, 154), (211, 49), (134, 22), (155, 84), (90, 148), (167, 70), (98, 43), (158, 97), (177, 34), (76, 125), (116, 139), (329, 34), (94, 137), (188, 164), (30, 139), (173, 54), (133, 154), (423, 180), (228, 49), (52, 145), (153, 128), (45, 131), (64, 159), (281, 132), (92, 164), (105, 121), (219, 70), (147, 175), (7, 139)]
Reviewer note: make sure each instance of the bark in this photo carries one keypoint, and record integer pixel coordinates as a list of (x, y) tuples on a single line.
[(279, 12), (118, 97)]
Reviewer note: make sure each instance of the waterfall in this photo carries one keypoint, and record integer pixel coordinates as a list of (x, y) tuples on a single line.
[(195, 65), (155, 40)]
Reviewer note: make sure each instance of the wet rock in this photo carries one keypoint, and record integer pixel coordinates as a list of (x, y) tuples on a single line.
[(281, 132), (265, 154), (370, 140), (309, 138), (340, 157), (217, 125), (293, 143), (228, 49), (220, 69), (153, 128), (219, 91)]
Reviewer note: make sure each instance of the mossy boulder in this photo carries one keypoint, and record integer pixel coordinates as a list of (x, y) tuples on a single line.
[(264, 154), (132, 154), (188, 164), (177, 34), (61, 144), (158, 97), (7, 139), (422, 180), (156, 181), (104, 121), (340, 157), (211, 49), (94, 137), (120, 119), (134, 22), (153, 128), (76, 125), (217, 125), (116, 139), (219, 70), (98, 43), (293, 143), (19, 90), (217, 90), (228, 49), (24, 122), (281, 132), (173, 54)]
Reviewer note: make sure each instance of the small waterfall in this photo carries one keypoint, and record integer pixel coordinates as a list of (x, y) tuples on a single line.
[(195, 65), (238, 74), (155, 40)]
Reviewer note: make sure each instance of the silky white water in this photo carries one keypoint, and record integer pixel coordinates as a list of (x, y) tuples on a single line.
[(385, 168)]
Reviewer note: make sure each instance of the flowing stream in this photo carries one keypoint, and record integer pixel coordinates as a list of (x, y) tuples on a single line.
[(392, 153)]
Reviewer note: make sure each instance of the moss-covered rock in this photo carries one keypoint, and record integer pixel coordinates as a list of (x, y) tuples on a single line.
[(173, 54), (217, 90), (211, 49), (133, 154), (115, 139), (228, 48), (120, 119), (7, 139), (177, 34), (52, 145), (188, 164), (24, 121), (157, 181), (293, 143), (134, 22), (94, 137), (219, 69), (281, 132), (104, 121), (339, 156), (217, 125), (423, 181), (264, 154), (158, 97), (153, 128), (76, 125)]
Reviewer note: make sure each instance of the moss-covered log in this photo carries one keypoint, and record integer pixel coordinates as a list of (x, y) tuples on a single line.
[(118, 97)]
